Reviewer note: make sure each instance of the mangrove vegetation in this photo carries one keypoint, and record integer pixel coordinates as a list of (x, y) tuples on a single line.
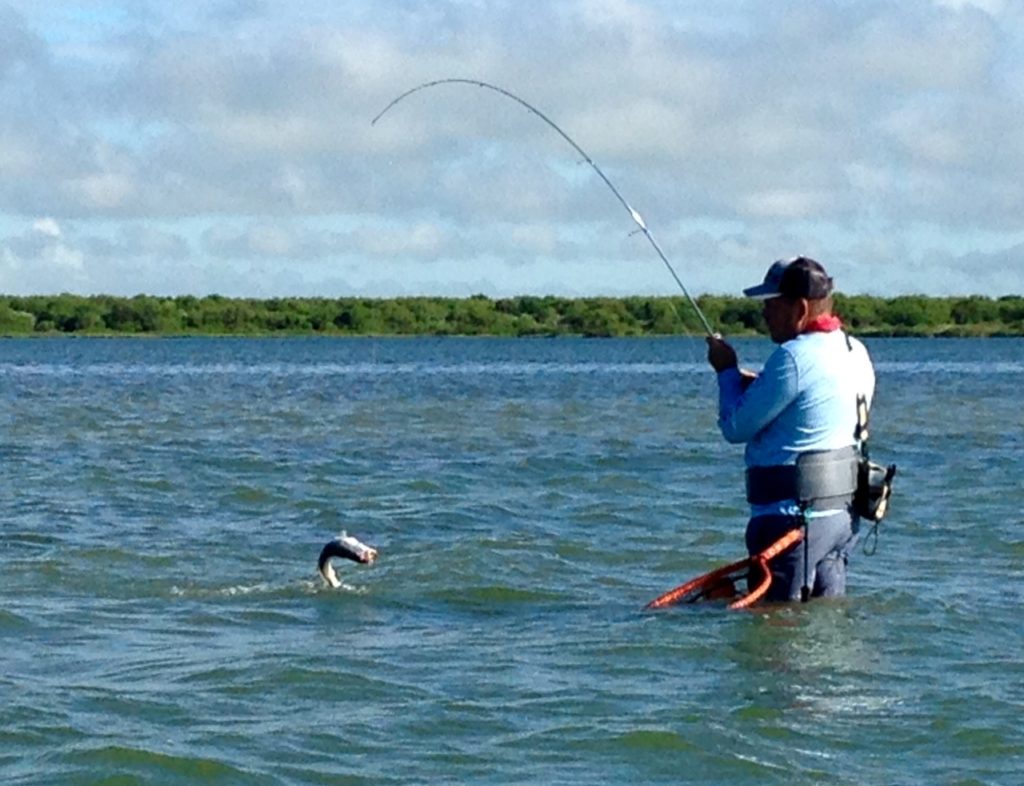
[(906, 315)]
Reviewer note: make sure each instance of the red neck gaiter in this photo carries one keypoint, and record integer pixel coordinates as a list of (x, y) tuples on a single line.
[(823, 324)]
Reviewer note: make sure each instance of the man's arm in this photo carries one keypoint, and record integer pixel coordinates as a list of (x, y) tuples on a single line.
[(722, 356), (745, 405)]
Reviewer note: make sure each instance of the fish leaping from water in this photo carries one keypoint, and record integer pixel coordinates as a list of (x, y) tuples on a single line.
[(343, 546)]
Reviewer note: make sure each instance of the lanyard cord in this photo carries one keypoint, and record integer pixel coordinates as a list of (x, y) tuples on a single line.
[(860, 433), (805, 590)]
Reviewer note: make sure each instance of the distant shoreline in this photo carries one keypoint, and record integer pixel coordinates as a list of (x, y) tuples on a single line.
[(971, 316)]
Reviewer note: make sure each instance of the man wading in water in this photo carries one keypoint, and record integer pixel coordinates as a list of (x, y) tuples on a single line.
[(798, 419)]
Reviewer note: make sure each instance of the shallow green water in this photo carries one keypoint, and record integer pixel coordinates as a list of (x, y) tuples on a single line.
[(161, 620)]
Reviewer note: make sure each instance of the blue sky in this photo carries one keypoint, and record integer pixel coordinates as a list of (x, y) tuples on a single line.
[(225, 146)]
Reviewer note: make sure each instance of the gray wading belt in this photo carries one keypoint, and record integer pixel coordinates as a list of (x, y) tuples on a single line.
[(825, 479)]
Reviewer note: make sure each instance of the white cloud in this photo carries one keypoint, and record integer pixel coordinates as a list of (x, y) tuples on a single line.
[(47, 226), (784, 203), (993, 7), (635, 19), (61, 256), (248, 143), (420, 239), (101, 191)]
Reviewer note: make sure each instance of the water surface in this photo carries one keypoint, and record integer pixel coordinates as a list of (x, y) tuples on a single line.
[(161, 620)]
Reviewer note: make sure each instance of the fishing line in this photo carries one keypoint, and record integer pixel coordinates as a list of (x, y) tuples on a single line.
[(637, 218)]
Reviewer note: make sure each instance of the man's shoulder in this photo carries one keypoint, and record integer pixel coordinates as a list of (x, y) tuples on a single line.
[(825, 342), (808, 344), (856, 346), (822, 350)]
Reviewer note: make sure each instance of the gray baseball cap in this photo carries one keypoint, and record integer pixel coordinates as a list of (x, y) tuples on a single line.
[(797, 277)]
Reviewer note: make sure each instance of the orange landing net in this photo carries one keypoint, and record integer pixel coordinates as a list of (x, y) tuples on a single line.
[(720, 584)]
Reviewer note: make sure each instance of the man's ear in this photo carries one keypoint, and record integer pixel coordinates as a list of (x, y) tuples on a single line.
[(803, 311)]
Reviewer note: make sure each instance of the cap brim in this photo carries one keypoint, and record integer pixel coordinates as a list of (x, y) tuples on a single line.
[(762, 291)]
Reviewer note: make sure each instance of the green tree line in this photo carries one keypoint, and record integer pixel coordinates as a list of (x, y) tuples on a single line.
[(906, 315)]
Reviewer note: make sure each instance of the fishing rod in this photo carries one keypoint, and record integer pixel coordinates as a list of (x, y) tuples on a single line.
[(637, 218)]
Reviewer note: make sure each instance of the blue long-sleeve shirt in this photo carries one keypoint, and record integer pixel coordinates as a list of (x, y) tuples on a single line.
[(805, 399)]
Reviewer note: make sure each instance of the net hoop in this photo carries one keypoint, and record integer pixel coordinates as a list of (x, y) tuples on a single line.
[(705, 586)]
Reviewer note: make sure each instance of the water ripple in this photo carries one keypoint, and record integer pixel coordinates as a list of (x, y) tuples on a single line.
[(161, 619)]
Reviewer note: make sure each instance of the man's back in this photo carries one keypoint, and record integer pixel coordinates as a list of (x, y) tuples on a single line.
[(803, 400)]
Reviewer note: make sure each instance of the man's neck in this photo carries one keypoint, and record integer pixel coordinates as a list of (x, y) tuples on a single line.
[(822, 323)]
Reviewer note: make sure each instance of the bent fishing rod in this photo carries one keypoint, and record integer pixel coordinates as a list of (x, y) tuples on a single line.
[(637, 218)]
